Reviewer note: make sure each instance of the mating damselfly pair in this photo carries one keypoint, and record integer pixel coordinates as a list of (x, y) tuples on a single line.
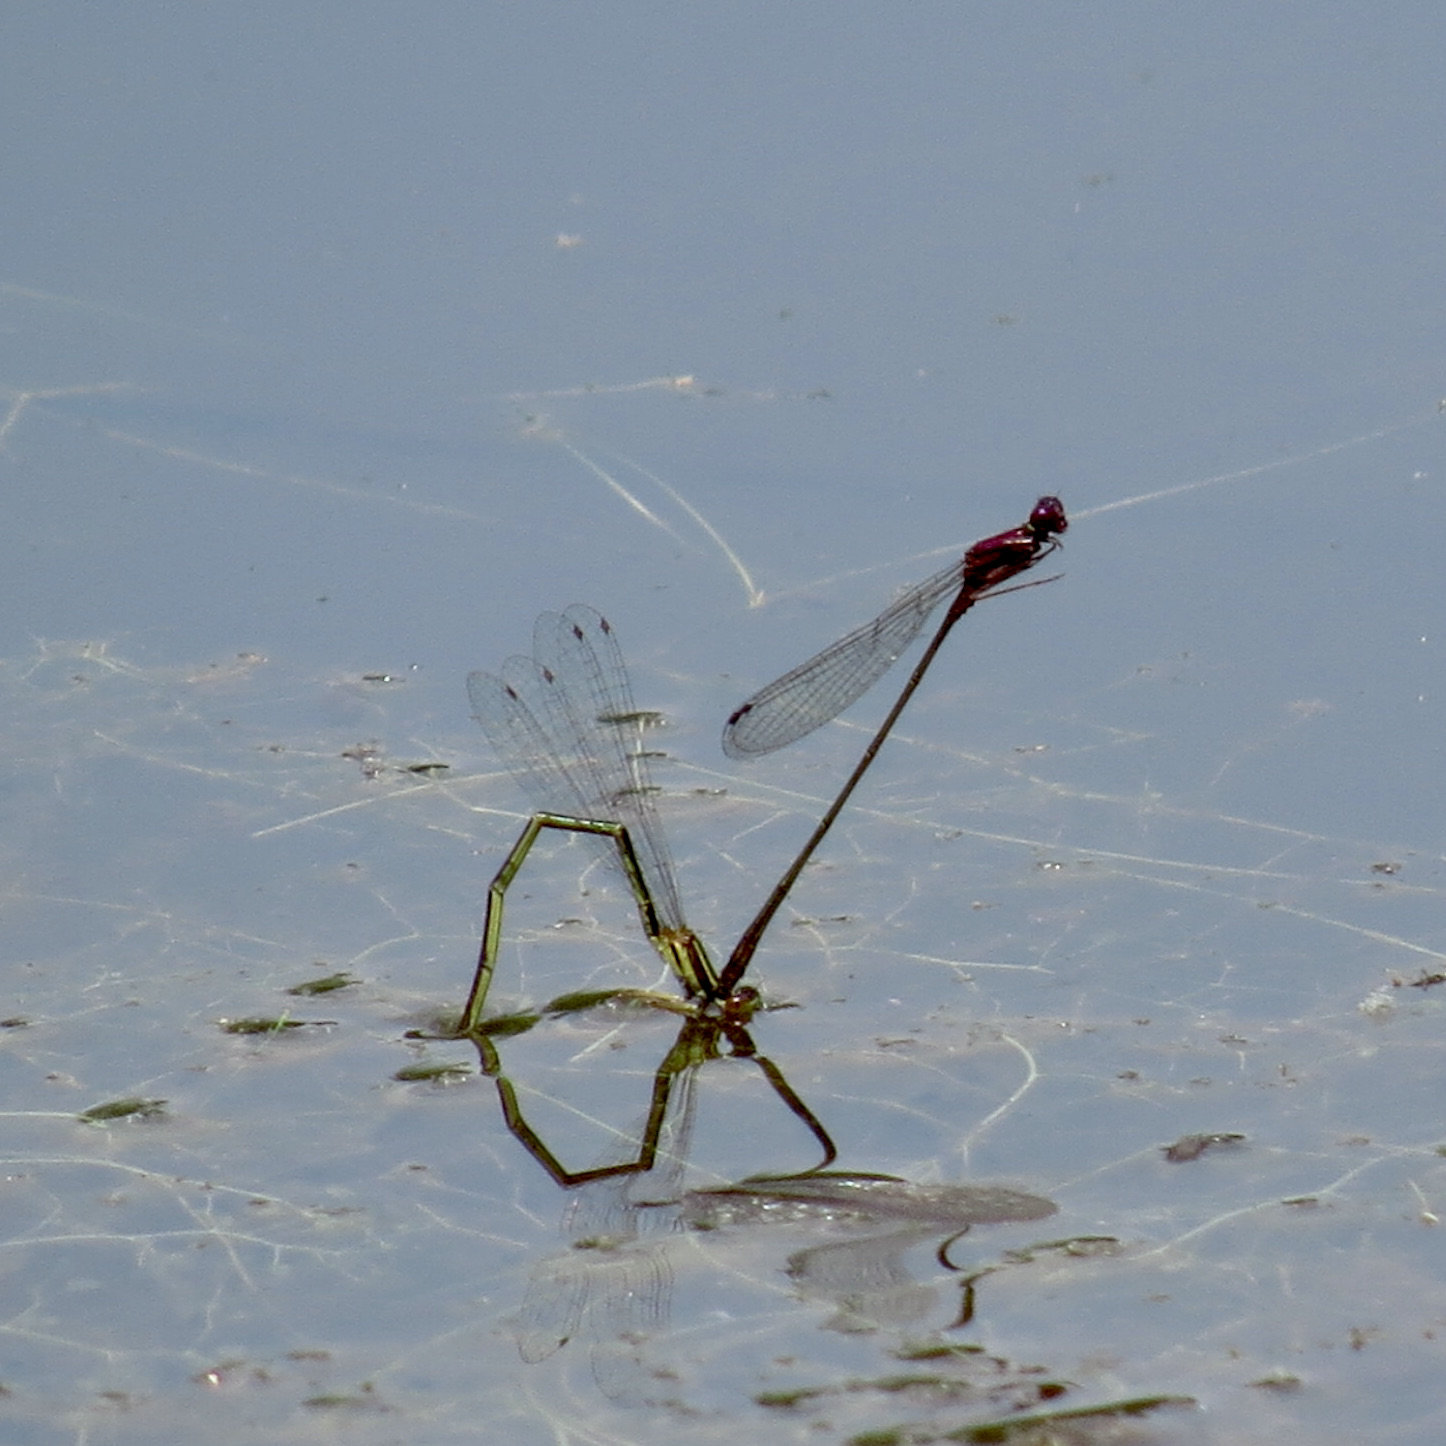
[(564, 723)]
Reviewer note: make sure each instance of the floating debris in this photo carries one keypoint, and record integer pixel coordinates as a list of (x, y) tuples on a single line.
[(270, 1024), (328, 984), (131, 1108), (1191, 1147), (432, 1073)]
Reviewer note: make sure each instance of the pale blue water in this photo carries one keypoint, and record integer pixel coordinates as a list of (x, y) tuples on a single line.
[(344, 345)]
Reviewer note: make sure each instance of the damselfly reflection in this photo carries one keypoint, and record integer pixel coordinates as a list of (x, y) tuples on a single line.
[(852, 1238), (699, 1041)]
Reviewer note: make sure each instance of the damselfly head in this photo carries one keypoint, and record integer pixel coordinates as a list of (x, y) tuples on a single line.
[(1047, 518)]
